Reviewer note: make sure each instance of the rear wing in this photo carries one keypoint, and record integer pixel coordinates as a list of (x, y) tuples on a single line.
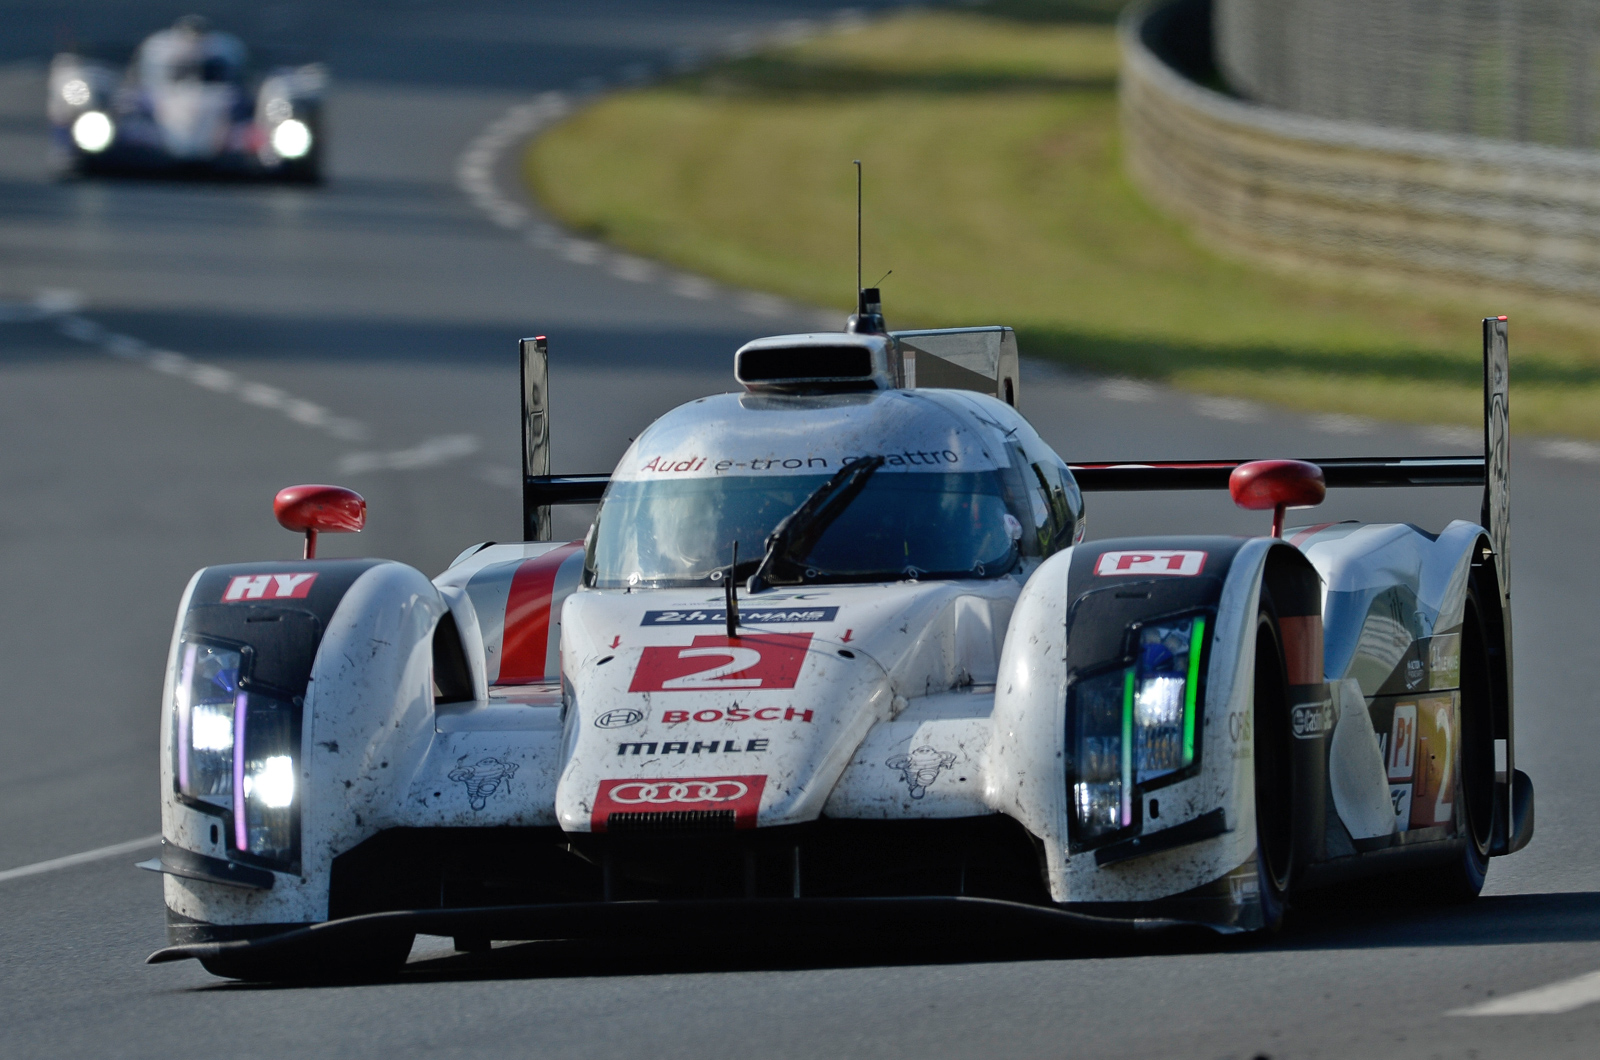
[(986, 359)]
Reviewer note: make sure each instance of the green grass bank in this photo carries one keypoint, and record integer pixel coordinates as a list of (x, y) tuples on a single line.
[(996, 194)]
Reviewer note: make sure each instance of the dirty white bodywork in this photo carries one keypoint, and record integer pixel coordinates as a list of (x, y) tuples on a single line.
[(896, 700)]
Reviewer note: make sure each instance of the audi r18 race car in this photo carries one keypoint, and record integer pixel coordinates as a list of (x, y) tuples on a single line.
[(186, 103), (834, 651)]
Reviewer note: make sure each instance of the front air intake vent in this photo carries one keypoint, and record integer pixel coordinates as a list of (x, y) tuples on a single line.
[(671, 821), (820, 362), (795, 363)]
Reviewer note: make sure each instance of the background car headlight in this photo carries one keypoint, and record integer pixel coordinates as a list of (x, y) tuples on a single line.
[(292, 138), (235, 750), (93, 131), (1134, 724), (75, 92)]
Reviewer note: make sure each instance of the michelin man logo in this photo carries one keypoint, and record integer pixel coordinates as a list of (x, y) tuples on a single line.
[(484, 778), (921, 768)]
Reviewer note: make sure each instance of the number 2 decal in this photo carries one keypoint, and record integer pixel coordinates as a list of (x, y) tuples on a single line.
[(770, 660), (1444, 805), (739, 659)]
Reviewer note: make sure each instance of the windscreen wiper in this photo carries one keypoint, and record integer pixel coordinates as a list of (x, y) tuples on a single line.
[(792, 540)]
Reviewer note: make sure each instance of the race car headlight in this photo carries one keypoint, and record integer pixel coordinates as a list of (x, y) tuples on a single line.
[(93, 131), (264, 811), (207, 693), (235, 750), (292, 138), (1133, 725)]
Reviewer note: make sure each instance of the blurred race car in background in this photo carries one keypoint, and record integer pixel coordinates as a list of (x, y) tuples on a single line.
[(188, 102)]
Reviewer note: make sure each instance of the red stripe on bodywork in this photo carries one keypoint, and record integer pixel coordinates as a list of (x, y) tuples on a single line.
[(1308, 532), (526, 642)]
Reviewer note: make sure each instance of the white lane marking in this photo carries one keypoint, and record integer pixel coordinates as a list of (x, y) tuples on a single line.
[(1565, 996), (475, 169), (98, 854), (1127, 390), (432, 453), (1568, 449), (62, 307), (1235, 410), (1454, 436), (1339, 423)]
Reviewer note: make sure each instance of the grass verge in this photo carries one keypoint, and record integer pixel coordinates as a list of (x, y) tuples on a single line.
[(996, 194)]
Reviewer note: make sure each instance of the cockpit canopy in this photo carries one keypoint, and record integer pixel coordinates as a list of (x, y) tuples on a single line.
[(967, 489)]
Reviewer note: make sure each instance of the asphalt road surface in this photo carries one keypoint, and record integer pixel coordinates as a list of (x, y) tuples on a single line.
[(171, 354)]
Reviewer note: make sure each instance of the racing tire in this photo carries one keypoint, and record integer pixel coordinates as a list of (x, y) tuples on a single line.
[(1461, 879), (1273, 741)]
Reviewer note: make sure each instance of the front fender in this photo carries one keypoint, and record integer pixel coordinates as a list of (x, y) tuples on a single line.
[(1074, 618)]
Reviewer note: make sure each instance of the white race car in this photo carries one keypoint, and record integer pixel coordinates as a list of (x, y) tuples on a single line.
[(187, 102), (834, 652)]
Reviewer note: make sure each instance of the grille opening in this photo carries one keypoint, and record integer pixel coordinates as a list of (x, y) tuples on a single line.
[(624, 822), (805, 362), (988, 857)]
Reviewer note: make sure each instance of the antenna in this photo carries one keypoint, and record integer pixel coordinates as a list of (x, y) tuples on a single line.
[(858, 224)]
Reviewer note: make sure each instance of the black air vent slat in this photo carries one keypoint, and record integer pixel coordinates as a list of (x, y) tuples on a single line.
[(672, 821)]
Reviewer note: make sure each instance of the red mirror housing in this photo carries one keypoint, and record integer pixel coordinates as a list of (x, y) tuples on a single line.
[(1277, 484), (312, 509)]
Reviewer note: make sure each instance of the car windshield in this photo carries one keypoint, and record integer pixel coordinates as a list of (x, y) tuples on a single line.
[(664, 532)]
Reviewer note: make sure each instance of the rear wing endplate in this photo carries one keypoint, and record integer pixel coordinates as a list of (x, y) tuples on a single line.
[(981, 359)]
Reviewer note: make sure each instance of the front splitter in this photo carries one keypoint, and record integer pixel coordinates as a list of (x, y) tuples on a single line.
[(303, 951)]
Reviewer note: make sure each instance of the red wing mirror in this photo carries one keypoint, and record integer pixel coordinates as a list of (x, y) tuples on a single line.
[(1277, 484), (313, 509)]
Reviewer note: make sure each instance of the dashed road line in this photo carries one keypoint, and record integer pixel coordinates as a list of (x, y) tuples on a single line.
[(435, 452), (1568, 449), (1339, 423), (63, 306), (1565, 996), (475, 171), (1118, 389), (1234, 410), (85, 858)]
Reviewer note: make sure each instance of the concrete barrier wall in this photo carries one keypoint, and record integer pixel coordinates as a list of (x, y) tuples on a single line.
[(1287, 187)]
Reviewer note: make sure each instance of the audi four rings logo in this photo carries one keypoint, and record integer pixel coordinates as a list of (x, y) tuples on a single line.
[(637, 795), (616, 719), (660, 794)]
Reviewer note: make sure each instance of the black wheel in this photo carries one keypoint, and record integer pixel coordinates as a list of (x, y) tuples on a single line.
[(1460, 879), (1273, 750)]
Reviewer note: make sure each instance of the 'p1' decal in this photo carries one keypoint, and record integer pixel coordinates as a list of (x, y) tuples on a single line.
[(268, 587), (1155, 561), (711, 663)]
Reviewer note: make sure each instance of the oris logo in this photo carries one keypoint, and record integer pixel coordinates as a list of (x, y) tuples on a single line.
[(616, 719), (742, 795)]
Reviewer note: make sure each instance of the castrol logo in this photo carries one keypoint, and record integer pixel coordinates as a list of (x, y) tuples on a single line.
[(679, 791), (741, 794)]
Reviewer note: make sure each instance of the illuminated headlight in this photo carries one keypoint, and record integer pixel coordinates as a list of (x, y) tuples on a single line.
[(93, 131), (75, 92), (235, 749), (208, 697), (292, 138), (1134, 724)]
